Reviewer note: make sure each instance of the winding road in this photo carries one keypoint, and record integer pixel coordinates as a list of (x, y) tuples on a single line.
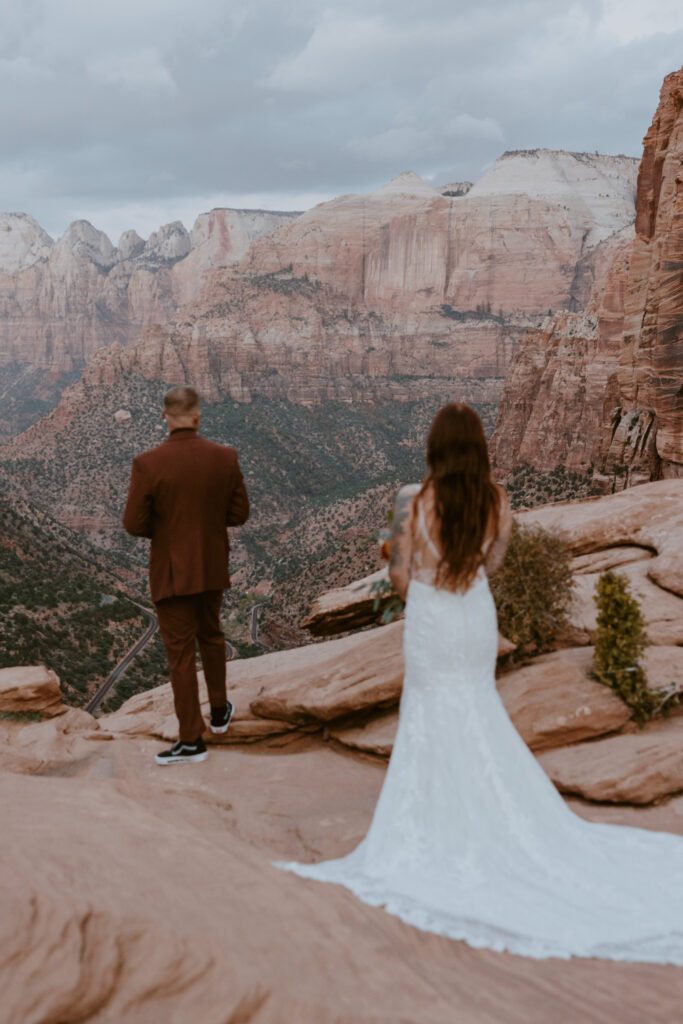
[(139, 645), (113, 676), (254, 628)]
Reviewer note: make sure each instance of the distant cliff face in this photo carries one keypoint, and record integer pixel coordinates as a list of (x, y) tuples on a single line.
[(363, 297), (605, 389), (511, 243), (61, 301)]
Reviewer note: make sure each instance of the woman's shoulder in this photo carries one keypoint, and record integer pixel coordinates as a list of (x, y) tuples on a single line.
[(403, 505)]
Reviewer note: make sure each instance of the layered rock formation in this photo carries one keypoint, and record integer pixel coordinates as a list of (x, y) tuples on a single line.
[(603, 389), (511, 243), (644, 432), (404, 282), (350, 687), (61, 301), (552, 405)]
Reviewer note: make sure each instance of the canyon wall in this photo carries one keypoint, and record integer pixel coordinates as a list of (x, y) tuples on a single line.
[(512, 244), (603, 389), (61, 301), (643, 431), (552, 405)]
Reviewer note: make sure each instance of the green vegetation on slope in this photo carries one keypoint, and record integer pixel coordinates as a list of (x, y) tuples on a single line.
[(51, 605)]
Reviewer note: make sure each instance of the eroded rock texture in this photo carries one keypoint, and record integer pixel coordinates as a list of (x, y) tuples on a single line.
[(552, 405), (386, 295), (644, 432), (605, 388)]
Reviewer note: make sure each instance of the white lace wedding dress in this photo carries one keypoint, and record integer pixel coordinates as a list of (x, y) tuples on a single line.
[(470, 839)]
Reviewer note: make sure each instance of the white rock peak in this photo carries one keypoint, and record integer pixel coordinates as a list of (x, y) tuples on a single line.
[(130, 245), (22, 242), (87, 243), (170, 242), (603, 187), (407, 183)]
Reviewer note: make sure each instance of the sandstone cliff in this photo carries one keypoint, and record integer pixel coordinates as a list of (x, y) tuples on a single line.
[(511, 243), (61, 301), (390, 285), (603, 389), (552, 405), (643, 436)]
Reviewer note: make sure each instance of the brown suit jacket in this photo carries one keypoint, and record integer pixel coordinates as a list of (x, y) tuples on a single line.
[(183, 495)]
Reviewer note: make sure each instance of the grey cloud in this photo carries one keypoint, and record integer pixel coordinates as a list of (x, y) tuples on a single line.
[(162, 100)]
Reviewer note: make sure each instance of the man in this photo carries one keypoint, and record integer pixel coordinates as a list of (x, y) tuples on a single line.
[(183, 495)]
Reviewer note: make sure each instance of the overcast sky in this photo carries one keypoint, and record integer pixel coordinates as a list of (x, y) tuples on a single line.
[(144, 111)]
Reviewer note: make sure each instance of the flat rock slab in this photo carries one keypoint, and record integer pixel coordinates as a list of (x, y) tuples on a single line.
[(152, 713), (116, 897), (30, 688), (637, 768), (346, 607), (553, 701), (327, 681), (374, 737)]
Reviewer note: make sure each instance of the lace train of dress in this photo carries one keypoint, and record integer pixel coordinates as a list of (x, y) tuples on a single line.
[(470, 839)]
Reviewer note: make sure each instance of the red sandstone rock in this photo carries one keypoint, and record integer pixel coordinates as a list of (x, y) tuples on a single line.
[(131, 895), (64, 745), (605, 390), (552, 405), (650, 516), (645, 438), (552, 702), (30, 689), (635, 768)]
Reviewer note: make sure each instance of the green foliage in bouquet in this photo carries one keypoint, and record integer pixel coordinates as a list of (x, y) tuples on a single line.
[(620, 640), (387, 599), (532, 590)]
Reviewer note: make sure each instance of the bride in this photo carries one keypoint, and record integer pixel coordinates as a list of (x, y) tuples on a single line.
[(469, 838)]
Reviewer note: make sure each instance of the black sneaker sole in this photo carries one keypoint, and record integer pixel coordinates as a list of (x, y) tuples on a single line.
[(218, 730), (182, 758)]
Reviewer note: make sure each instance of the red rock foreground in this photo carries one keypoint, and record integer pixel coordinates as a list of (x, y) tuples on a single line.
[(139, 894), (136, 893)]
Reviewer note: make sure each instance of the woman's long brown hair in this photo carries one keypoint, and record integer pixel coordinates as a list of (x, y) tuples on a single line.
[(466, 501)]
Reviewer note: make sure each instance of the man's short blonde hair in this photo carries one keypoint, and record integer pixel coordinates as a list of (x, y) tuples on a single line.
[(181, 401)]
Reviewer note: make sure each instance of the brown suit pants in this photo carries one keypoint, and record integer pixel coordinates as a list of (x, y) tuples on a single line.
[(182, 621)]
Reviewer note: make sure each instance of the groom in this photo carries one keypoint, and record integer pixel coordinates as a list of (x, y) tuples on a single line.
[(183, 495)]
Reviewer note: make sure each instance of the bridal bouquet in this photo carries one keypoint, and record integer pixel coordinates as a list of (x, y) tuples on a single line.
[(386, 597)]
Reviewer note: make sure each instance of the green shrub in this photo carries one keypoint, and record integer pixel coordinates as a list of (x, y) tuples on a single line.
[(532, 590), (620, 640)]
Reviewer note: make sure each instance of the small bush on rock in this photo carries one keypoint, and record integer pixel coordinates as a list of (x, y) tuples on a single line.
[(532, 590), (620, 640)]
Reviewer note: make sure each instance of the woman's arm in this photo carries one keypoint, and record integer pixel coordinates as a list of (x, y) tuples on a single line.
[(401, 547), (496, 552)]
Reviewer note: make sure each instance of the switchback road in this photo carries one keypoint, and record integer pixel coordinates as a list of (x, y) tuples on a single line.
[(111, 679), (254, 627)]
